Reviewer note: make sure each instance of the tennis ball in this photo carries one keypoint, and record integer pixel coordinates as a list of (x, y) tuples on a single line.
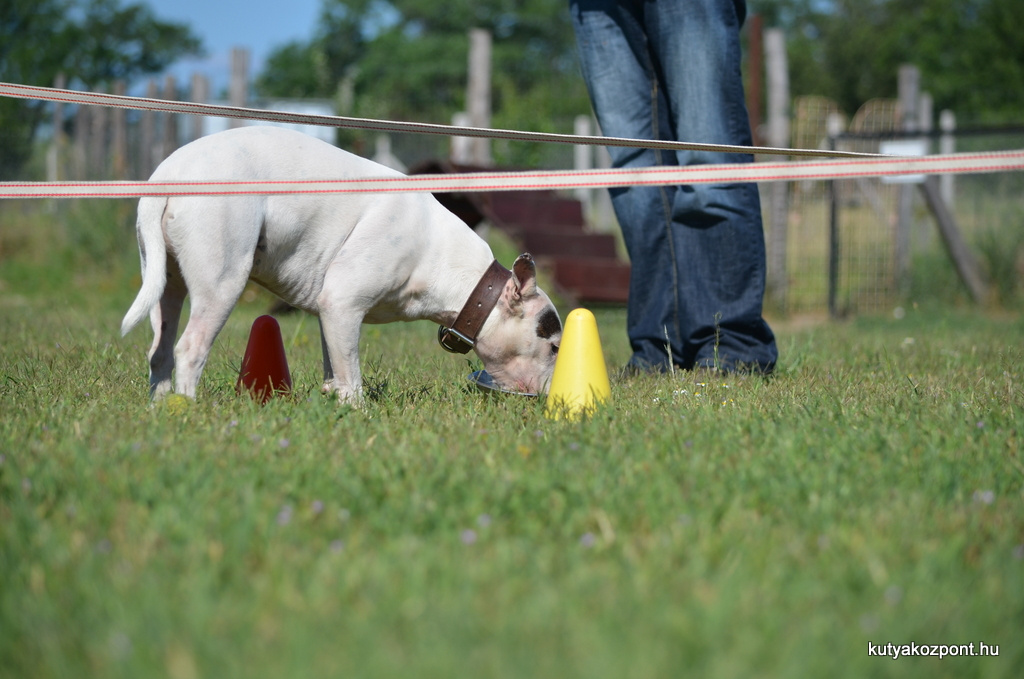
[(176, 404)]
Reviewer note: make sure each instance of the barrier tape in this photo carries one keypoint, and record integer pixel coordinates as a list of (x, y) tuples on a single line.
[(191, 108), (841, 164), (958, 163)]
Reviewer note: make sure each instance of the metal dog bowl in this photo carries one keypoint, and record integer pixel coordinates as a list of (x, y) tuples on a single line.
[(485, 383)]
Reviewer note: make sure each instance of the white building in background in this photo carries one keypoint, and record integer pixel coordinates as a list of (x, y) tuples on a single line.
[(317, 107)]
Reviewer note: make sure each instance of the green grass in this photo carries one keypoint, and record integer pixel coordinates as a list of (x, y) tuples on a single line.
[(871, 492)]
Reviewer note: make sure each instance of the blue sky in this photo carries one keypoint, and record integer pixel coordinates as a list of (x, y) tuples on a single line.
[(260, 25)]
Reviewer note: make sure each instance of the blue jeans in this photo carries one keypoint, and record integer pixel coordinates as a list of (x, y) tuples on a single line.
[(670, 70)]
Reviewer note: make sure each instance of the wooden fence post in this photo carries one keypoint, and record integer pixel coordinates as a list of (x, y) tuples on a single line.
[(947, 144), (965, 264), (119, 137), (200, 95), (834, 126), (778, 135), (238, 90), (147, 132), (169, 134), (80, 151), (97, 147), (55, 171), (478, 93), (925, 118), (459, 150), (909, 88)]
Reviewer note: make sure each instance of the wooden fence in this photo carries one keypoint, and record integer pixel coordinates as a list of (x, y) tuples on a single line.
[(96, 142)]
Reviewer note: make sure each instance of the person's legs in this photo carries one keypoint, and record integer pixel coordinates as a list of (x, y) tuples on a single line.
[(716, 229), (625, 93), (669, 69)]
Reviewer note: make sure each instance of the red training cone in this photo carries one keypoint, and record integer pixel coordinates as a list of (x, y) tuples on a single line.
[(264, 371)]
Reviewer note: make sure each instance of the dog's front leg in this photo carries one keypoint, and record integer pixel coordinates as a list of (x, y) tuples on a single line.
[(339, 338)]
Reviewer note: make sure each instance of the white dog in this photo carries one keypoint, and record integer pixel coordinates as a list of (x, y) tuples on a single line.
[(347, 258)]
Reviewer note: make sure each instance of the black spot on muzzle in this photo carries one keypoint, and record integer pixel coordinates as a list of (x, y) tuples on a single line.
[(548, 324)]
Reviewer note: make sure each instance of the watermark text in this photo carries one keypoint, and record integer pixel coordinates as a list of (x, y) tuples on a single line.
[(912, 649)]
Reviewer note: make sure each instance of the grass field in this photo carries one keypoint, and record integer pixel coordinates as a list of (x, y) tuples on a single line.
[(871, 492)]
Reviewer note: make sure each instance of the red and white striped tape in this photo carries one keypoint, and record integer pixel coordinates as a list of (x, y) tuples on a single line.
[(960, 163), (843, 165)]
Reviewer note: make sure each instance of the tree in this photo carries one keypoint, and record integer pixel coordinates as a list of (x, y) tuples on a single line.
[(407, 60), (969, 51), (93, 41)]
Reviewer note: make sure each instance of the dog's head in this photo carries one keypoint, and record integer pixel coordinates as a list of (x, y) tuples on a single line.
[(519, 343)]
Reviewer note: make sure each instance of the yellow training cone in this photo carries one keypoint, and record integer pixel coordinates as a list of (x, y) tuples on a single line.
[(580, 381)]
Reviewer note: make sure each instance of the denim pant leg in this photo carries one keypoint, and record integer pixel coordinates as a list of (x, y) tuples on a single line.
[(670, 70), (622, 88)]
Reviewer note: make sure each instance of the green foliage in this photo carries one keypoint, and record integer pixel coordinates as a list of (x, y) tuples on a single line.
[(91, 41), (969, 51), (296, 70), (112, 42), (1002, 255), (407, 60)]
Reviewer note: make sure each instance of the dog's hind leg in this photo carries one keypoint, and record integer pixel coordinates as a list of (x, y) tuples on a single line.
[(210, 307), (165, 317), (328, 369), (214, 245)]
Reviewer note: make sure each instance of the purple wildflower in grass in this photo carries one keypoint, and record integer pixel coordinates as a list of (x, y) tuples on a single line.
[(484, 520), (318, 506), (468, 536), (984, 497), (337, 546), (587, 540), (284, 443), (1018, 552), (284, 516), (120, 645)]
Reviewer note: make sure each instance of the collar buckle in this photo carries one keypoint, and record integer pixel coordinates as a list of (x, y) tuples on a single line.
[(473, 315), (453, 341)]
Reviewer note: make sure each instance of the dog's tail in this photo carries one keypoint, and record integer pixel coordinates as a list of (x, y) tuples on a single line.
[(153, 253)]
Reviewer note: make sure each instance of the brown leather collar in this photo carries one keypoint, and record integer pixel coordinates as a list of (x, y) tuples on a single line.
[(461, 336)]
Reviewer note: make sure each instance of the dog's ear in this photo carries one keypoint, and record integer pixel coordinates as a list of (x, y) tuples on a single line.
[(521, 285), (524, 271)]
